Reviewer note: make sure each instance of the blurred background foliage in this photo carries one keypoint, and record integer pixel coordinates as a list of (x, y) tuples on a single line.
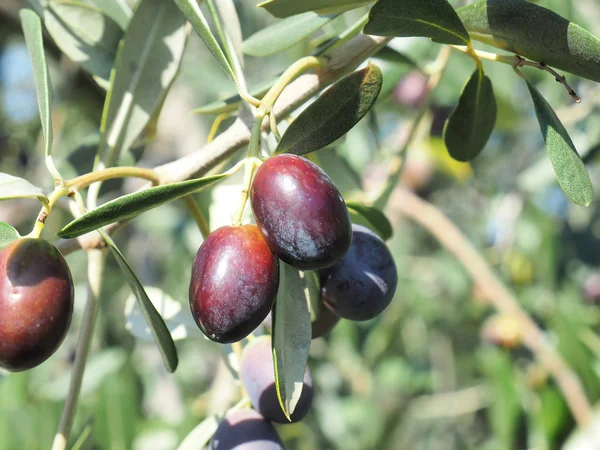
[(427, 374)]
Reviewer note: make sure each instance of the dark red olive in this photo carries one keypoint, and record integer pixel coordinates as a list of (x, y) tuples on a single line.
[(300, 212), (245, 429), (258, 378), (362, 284), (36, 303), (235, 277)]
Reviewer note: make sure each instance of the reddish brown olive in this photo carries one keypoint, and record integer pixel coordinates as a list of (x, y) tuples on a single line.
[(36, 303), (234, 282), (300, 212)]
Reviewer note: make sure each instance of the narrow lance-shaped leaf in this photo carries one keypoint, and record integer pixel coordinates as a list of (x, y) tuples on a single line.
[(194, 15), (334, 113), (147, 61), (435, 19), (378, 221), (471, 123), (201, 434), (287, 8), (7, 234), (534, 32), (284, 34), (568, 166), (84, 33), (32, 28), (15, 187), (231, 27), (131, 205), (161, 334), (117, 10), (291, 336)]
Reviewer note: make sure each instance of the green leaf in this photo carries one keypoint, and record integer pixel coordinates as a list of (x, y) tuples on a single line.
[(147, 62), (32, 28), (159, 330), (568, 166), (284, 34), (334, 113), (117, 10), (232, 27), (233, 102), (201, 434), (471, 123), (84, 33), (7, 234), (131, 205), (534, 32), (287, 8), (379, 222), (15, 187), (194, 15), (435, 19), (291, 335)]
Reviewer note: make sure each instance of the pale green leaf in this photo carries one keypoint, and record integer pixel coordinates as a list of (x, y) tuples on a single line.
[(193, 14), (284, 34), (32, 28), (146, 64), (7, 234), (200, 436), (159, 330), (568, 166), (15, 187), (471, 123), (287, 8), (334, 113), (291, 335), (131, 205), (534, 32), (117, 10), (435, 19)]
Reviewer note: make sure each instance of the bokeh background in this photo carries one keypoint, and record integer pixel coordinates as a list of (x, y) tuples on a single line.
[(427, 374)]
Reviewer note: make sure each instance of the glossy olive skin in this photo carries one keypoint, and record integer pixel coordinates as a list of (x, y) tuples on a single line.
[(300, 212), (234, 282), (245, 429), (362, 284), (257, 375), (36, 303)]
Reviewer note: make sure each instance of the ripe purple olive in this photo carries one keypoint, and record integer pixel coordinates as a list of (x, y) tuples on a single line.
[(362, 284), (36, 303), (245, 430), (234, 282), (300, 212), (257, 375)]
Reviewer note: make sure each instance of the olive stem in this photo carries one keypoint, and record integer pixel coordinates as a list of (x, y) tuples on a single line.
[(198, 215), (498, 296), (291, 73), (95, 270), (397, 164), (40, 222), (84, 181), (251, 164)]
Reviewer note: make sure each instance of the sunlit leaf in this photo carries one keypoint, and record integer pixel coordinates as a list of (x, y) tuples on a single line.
[(291, 336), (534, 32), (568, 166), (201, 434), (334, 113), (32, 28), (471, 123), (378, 221), (7, 234), (131, 205), (231, 26), (159, 330), (284, 34), (84, 33), (286, 8), (193, 14), (15, 187), (147, 61), (117, 10), (435, 19)]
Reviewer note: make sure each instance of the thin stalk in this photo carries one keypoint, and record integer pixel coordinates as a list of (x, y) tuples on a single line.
[(95, 269), (198, 215), (40, 222), (84, 181)]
